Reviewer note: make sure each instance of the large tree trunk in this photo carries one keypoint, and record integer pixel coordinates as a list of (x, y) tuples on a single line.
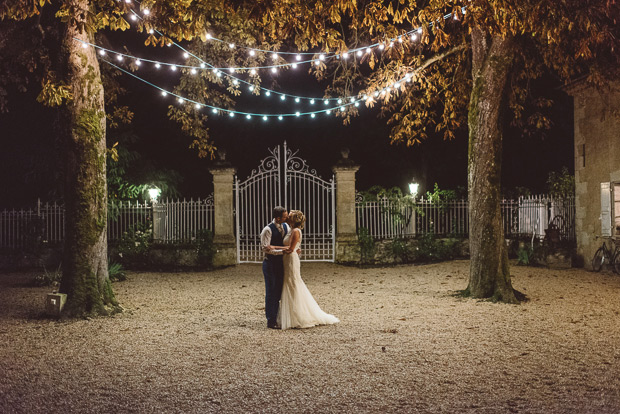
[(85, 267), (489, 270)]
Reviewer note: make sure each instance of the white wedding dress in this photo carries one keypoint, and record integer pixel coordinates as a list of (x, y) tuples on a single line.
[(298, 309)]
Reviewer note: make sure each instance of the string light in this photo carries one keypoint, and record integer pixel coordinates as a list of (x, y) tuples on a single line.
[(215, 110), (298, 55)]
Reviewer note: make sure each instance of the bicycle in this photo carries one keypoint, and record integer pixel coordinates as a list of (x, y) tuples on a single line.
[(606, 255)]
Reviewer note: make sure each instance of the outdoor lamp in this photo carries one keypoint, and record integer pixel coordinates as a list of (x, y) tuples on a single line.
[(413, 188), (154, 192)]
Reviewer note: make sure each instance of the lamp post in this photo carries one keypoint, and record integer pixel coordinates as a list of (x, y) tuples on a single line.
[(154, 193)]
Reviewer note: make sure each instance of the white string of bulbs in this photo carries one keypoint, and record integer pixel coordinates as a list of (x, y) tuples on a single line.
[(355, 100), (342, 104), (235, 80)]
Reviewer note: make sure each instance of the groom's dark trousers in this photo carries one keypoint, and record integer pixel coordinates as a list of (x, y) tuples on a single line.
[(273, 270)]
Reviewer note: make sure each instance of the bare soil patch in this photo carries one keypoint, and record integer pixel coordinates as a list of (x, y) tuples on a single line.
[(198, 342)]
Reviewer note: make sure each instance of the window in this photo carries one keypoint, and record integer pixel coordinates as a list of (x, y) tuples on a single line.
[(616, 209), (610, 209)]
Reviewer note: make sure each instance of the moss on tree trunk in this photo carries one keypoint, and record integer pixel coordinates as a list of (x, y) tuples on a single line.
[(489, 269), (85, 268)]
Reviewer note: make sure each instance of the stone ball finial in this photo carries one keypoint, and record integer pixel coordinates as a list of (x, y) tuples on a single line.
[(345, 153)]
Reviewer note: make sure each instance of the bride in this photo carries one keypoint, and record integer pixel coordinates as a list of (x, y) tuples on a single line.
[(298, 309)]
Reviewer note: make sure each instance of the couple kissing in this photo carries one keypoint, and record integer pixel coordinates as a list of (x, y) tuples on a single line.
[(288, 302)]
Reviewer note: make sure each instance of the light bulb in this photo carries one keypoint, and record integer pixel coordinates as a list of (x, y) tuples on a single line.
[(235, 82), (157, 65), (359, 53), (251, 88), (173, 67), (231, 70), (298, 57), (193, 71), (208, 36), (119, 57), (297, 100), (164, 93), (280, 117), (138, 62), (133, 17), (253, 72), (297, 113), (294, 65), (274, 70), (329, 111), (252, 52), (102, 52), (381, 46), (180, 100), (282, 97), (345, 55), (322, 56), (202, 65), (312, 115), (214, 110), (274, 56), (231, 114), (311, 101), (248, 116), (231, 45), (317, 62), (185, 55), (146, 12), (368, 50), (326, 101), (265, 118), (268, 93), (151, 31), (339, 101), (197, 106), (342, 109)]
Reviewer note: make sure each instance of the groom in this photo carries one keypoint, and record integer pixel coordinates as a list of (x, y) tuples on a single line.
[(273, 267)]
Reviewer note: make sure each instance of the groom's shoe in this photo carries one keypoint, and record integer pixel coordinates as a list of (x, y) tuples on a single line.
[(272, 325)]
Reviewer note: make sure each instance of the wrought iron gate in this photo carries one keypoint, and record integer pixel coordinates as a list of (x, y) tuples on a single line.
[(285, 179)]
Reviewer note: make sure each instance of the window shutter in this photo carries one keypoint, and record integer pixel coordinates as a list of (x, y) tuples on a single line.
[(605, 209)]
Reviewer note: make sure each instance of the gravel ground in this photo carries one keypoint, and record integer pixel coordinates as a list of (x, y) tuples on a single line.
[(198, 342)]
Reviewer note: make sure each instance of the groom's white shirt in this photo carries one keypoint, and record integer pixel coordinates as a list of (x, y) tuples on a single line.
[(265, 240)]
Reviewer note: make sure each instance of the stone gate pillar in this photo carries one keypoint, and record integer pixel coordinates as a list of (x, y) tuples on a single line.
[(346, 227), (223, 217)]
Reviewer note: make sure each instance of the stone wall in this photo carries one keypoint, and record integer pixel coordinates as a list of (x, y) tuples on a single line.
[(597, 159)]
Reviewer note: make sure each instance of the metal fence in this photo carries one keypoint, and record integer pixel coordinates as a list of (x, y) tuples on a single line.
[(171, 222), (526, 216)]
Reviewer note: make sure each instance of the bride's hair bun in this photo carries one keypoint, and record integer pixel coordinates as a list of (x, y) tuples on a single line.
[(297, 219)]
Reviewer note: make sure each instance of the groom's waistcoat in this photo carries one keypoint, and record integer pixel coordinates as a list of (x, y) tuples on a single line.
[(276, 240)]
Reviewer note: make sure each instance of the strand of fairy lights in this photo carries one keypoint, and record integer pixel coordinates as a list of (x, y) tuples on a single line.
[(412, 34), (219, 71), (265, 116)]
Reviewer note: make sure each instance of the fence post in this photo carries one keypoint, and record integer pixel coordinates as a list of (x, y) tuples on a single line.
[(346, 234), (223, 231)]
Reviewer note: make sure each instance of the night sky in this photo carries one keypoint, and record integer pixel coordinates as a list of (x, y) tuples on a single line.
[(30, 161)]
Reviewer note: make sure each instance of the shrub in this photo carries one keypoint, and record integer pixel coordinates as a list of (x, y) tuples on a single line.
[(133, 247), (116, 273), (400, 250), (48, 278), (432, 250), (367, 245), (205, 248)]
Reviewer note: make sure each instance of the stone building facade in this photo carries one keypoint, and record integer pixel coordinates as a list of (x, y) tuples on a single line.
[(597, 166)]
